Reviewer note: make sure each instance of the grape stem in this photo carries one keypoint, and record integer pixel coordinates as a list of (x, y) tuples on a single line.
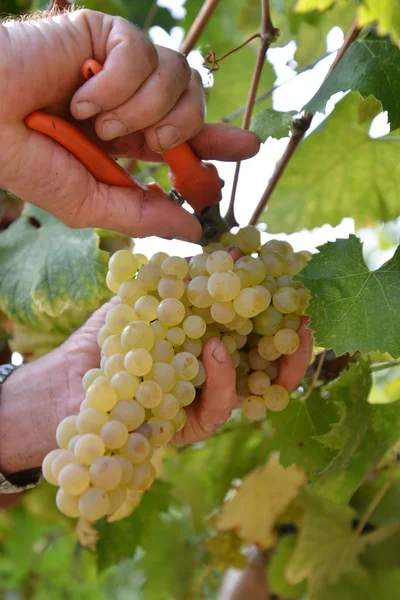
[(383, 366), (299, 129), (268, 35), (198, 26)]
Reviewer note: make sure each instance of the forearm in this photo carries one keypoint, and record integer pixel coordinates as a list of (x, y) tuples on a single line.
[(30, 409)]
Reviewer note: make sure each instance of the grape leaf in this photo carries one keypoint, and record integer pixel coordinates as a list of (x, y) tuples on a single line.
[(303, 6), (338, 171), (385, 12), (123, 581), (361, 437), (351, 307), (48, 268), (297, 427), (272, 123), (351, 586), (387, 511), (277, 582), (327, 546), (384, 555), (370, 66), (263, 496)]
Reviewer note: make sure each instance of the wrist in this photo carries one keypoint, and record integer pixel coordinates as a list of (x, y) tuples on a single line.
[(31, 406)]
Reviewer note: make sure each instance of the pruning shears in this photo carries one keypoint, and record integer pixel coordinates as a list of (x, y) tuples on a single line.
[(194, 181)]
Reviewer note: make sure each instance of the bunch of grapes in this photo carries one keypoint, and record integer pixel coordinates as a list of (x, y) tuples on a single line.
[(151, 346)]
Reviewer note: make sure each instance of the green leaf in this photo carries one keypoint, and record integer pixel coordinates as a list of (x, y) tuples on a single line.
[(385, 13), (303, 6), (385, 584), (327, 546), (352, 586), (371, 67), (297, 427), (383, 555), (387, 511), (338, 171), (361, 437), (272, 123), (123, 581), (49, 269), (351, 307), (277, 582)]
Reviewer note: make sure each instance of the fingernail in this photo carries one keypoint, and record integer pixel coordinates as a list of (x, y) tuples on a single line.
[(167, 136), (220, 354), (113, 129), (84, 110)]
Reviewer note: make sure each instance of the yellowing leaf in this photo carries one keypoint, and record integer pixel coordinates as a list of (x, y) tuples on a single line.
[(263, 496)]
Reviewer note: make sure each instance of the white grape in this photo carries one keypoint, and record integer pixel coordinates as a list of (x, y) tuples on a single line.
[(129, 412), (158, 258), (88, 448), (159, 329), (197, 265), (125, 384), (201, 376), (149, 394), (126, 467), (112, 345), (194, 327), (176, 336), (286, 300), (67, 505), (193, 346), (116, 497), (253, 407), (163, 374), (162, 351), (286, 341), (175, 266), (279, 246), (105, 473), (137, 448), (62, 460), (101, 395), (223, 312), (291, 321), (168, 407), (90, 376), (258, 382), (47, 464), (248, 239), (94, 504), (185, 392), (66, 430), (146, 308), (170, 311), (268, 322), (229, 343), (186, 365), (118, 317), (249, 302), (178, 422), (74, 479), (224, 287), (267, 349), (123, 265), (137, 335), (130, 291), (274, 264), (170, 287), (219, 262), (161, 431), (114, 434), (252, 265), (90, 420), (113, 365), (142, 477), (197, 292), (276, 398), (138, 362), (148, 277), (112, 284)]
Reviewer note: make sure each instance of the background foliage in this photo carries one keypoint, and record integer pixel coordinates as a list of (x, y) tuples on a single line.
[(315, 488)]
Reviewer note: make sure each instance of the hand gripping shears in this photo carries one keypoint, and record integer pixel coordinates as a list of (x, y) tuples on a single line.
[(194, 181)]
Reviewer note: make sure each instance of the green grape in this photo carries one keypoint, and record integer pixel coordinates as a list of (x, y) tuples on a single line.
[(159, 329), (137, 335), (74, 479), (267, 349), (146, 308), (249, 303), (158, 258), (171, 287), (148, 277), (306, 254), (90, 376), (178, 422), (284, 281), (94, 504), (161, 431), (62, 460), (204, 313), (304, 296), (223, 312), (47, 466), (279, 246), (106, 473), (291, 321), (258, 382), (194, 327), (270, 284), (286, 341), (175, 266), (237, 322), (163, 374), (66, 430), (72, 441), (200, 378), (170, 311), (112, 345), (227, 239), (101, 395), (286, 300), (149, 394), (117, 498), (162, 351), (123, 265), (112, 284), (141, 258), (197, 292), (113, 365), (255, 266), (243, 368), (89, 448), (235, 358), (142, 477), (195, 347), (130, 291), (90, 420), (176, 336), (118, 317), (246, 278), (138, 362), (168, 407), (224, 287), (125, 384), (239, 339), (256, 361), (253, 407), (219, 261), (197, 265), (229, 343), (103, 334), (129, 412), (246, 328), (268, 322), (186, 365), (67, 505), (272, 369), (114, 434), (126, 466), (137, 448), (184, 391), (294, 263), (274, 263), (248, 239), (103, 362), (276, 398)]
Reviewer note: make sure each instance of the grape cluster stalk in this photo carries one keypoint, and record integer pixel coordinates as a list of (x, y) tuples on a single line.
[(151, 368)]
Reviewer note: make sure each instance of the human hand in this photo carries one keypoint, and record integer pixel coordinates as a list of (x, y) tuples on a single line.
[(146, 100)]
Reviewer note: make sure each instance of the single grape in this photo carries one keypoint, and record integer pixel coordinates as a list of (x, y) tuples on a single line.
[(148, 277), (65, 431), (178, 422), (239, 339), (229, 343), (72, 441), (170, 311), (112, 284), (118, 317), (116, 497), (159, 329), (276, 398), (286, 341), (130, 291), (284, 281), (197, 292), (223, 312), (88, 448), (194, 327), (248, 239), (197, 265), (185, 392), (227, 239), (186, 365), (129, 412), (255, 266), (258, 382), (294, 263), (291, 321), (113, 364), (235, 358), (94, 504), (47, 464), (267, 349), (219, 261), (201, 376), (224, 287), (193, 347), (112, 345), (270, 284), (137, 335), (275, 264), (142, 259), (142, 477), (246, 328), (138, 362), (74, 479), (90, 376), (268, 322), (67, 505), (102, 335), (158, 258), (279, 246), (212, 247), (163, 374), (137, 448), (168, 407), (256, 361), (90, 420), (236, 323), (246, 278), (125, 384), (176, 336), (149, 394), (114, 434), (106, 473), (123, 265), (62, 460), (249, 303), (253, 407), (272, 369), (161, 431), (146, 308), (126, 466), (171, 287), (175, 266), (162, 351), (286, 300)]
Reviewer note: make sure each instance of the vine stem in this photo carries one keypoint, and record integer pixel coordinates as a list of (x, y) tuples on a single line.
[(374, 503), (315, 378), (268, 34), (198, 25), (383, 366), (301, 126)]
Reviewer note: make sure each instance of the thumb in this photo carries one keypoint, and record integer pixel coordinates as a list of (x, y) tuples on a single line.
[(54, 180)]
